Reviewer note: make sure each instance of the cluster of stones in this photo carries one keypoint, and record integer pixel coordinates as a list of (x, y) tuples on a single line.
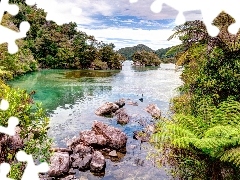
[(86, 151)]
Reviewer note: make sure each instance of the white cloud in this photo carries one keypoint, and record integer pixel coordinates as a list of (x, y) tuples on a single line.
[(123, 37), (60, 11)]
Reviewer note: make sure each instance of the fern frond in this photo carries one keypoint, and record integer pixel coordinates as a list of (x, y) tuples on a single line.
[(232, 156)]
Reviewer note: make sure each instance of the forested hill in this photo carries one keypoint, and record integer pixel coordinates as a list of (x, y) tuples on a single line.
[(128, 52)]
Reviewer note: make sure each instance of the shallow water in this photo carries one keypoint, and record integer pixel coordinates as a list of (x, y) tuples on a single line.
[(72, 96)]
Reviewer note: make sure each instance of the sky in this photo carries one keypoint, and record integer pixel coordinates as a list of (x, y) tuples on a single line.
[(118, 21)]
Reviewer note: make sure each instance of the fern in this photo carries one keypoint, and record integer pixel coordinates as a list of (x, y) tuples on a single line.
[(213, 135)]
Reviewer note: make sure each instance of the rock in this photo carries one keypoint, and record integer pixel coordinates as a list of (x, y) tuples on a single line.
[(116, 139), (141, 135), (98, 162), (132, 103), (73, 141), (82, 163), (71, 171), (15, 142), (89, 138), (113, 153), (61, 150), (82, 149), (120, 103), (69, 177), (150, 128), (59, 164), (75, 160), (153, 110), (107, 109), (122, 116), (85, 163)]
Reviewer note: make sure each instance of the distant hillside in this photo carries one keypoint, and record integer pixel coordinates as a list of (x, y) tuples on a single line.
[(161, 53), (129, 51)]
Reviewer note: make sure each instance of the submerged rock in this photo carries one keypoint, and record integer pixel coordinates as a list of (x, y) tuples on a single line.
[(153, 110), (120, 103), (59, 164), (98, 162), (122, 116), (141, 135), (107, 109), (116, 139)]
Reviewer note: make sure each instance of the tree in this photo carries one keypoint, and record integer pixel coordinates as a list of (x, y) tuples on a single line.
[(205, 126)]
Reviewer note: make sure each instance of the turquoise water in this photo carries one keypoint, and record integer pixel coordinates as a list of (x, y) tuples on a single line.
[(72, 96)]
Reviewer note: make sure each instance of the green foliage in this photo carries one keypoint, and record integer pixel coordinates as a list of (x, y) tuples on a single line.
[(206, 125), (215, 134), (128, 52), (33, 126), (144, 58)]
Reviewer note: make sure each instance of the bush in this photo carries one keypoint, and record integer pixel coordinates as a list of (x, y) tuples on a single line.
[(33, 124)]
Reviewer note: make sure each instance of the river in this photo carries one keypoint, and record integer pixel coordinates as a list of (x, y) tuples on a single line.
[(72, 96)]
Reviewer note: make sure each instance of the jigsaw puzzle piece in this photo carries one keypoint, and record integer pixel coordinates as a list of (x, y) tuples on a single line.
[(233, 10), (4, 105), (31, 169), (4, 170), (10, 36), (180, 6), (10, 8), (209, 15), (10, 130)]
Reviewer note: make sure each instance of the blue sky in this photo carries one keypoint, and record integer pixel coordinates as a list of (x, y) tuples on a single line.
[(118, 21)]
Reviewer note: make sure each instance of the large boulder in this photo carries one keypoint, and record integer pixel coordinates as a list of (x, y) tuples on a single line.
[(116, 139), (107, 109), (122, 116), (98, 162), (153, 110), (89, 138), (59, 164)]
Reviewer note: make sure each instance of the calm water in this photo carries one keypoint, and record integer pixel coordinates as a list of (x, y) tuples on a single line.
[(71, 98)]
